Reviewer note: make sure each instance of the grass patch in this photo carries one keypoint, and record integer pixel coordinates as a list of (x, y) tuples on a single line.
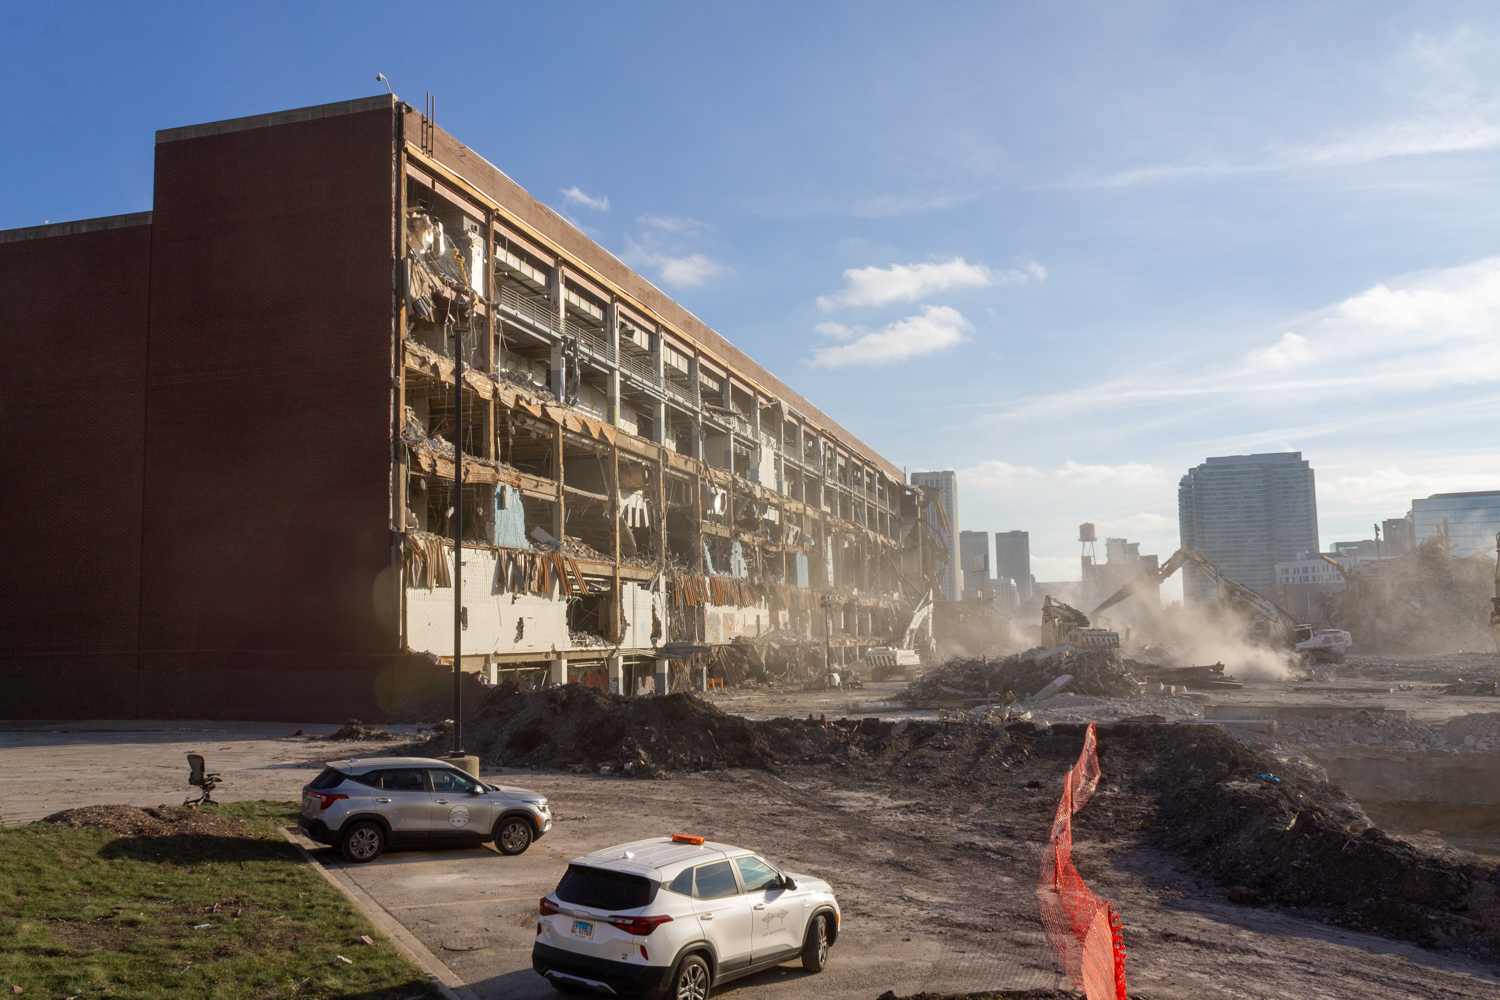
[(86, 913)]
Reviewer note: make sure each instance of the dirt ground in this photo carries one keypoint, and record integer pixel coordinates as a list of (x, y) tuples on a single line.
[(936, 877)]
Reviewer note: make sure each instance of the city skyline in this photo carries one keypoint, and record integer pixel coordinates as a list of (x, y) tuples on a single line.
[(1301, 256)]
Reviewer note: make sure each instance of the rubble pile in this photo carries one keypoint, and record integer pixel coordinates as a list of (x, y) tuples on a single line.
[(1424, 601), (1094, 671), (356, 730), (579, 728), (1272, 834)]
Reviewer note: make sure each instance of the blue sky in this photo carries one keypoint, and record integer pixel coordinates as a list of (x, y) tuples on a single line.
[(1069, 250)]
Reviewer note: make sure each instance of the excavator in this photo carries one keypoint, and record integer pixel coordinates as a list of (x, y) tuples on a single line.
[(887, 661), (1268, 621)]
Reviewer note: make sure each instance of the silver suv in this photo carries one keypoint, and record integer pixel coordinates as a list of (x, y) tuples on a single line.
[(364, 806)]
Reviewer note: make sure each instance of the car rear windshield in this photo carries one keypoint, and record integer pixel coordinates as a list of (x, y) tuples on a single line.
[(330, 778), (601, 889)]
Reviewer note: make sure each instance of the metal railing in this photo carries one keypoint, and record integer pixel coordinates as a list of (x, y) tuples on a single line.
[(529, 310), (639, 370)]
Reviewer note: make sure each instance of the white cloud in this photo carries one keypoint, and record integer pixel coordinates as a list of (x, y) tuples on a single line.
[(684, 227), (578, 197), (680, 272), (1131, 473), (938, 327), (867, 286), (1431, 331), (1291, 351)]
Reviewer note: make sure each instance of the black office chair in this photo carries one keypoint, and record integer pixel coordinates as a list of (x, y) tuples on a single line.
[(199, 778)]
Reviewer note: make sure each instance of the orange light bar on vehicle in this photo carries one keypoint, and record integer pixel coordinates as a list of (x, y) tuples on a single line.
[(682, 838)]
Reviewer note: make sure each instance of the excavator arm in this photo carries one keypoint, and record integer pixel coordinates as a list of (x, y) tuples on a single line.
[(1244, 596), (1146, 579)]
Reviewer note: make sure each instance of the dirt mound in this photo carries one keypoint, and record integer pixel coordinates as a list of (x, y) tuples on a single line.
[(357, 731), (1094, 671), (578, 727), (1424, 601), (153, 821), (1276, 834)]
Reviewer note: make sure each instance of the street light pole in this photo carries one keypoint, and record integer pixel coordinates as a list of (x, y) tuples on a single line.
[(458, 540)]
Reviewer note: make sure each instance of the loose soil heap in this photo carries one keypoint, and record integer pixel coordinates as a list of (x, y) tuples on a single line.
[(158, 821), (357, 731), (577, 727), (1425, 601), (1094, 671)]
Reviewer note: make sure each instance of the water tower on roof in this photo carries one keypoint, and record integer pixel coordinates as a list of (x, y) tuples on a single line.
[(1087, 536)]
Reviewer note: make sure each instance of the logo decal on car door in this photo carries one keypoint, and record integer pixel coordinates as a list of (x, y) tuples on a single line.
[(458, 816)]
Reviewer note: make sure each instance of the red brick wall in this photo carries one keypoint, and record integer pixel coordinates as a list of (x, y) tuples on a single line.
[(73, 392), (267, 469)]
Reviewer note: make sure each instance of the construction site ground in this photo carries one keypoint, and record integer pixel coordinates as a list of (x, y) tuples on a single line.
[(935, 877)]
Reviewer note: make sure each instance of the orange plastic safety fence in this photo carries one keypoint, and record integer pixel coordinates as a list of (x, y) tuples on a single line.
[(1083, 928)]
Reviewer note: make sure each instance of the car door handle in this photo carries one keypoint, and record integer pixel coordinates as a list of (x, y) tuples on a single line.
[(760, 906), (382, 800), (705, 916), (442, 802)]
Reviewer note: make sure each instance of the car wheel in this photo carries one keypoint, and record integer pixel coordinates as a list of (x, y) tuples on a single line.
[(513, 835), (363, 842), (815, 948), (690, 981)]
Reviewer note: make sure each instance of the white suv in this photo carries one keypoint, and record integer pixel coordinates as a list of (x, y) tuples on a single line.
[(676, 915), (364, 806)]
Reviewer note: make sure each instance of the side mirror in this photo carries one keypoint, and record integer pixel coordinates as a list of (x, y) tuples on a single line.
[(788, 883), (478, 789)]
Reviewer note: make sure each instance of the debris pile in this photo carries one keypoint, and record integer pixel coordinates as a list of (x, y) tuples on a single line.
[(356, 730), (576, 727), (1274, 835), (1424, 601), (153, 821), (1093, 671)]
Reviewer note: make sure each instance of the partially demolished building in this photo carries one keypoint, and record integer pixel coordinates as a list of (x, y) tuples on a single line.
[(239, 412)]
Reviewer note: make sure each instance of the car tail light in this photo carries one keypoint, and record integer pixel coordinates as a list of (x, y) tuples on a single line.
[(325, 799), (639, 926), (547, 907)]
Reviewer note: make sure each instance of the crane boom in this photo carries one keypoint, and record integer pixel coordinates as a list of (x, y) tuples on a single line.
[(1244, 596)]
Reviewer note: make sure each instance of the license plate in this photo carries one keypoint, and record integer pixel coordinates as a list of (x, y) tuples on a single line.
[(582, 929)]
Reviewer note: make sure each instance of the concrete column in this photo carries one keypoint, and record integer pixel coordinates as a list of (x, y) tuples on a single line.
[(492, 672), (663, 682), (659, 408), (697, 431), (703, 677), (612, 334), (559, 674), (559, 367), (617, 675)]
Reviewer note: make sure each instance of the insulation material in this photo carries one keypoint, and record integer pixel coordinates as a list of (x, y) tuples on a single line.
[(509, 526)]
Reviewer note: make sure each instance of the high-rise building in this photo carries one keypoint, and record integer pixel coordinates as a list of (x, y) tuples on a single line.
[(1470, 519), (1013, 561), (974, 556), (1246, 513), (946, 535)]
